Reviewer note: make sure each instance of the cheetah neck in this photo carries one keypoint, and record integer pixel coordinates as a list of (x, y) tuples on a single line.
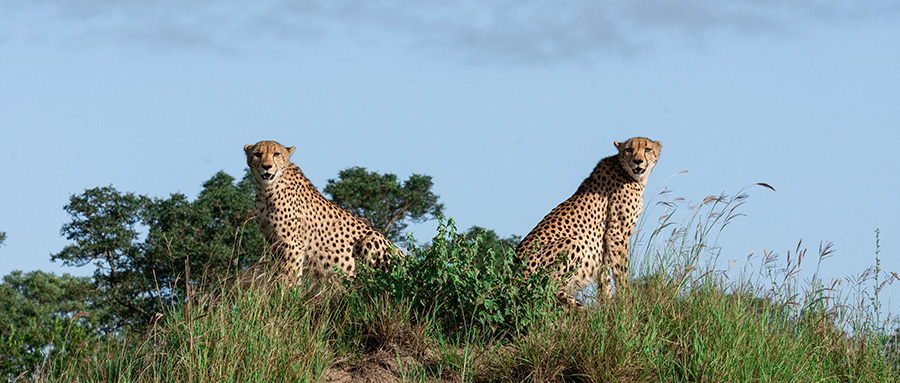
[(610, 171), (291, 185)]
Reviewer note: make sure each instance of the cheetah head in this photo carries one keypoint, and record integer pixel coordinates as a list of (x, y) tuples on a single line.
[(638, 156), (267, 161)]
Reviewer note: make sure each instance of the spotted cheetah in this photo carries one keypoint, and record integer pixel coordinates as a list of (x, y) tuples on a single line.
[(309, 233), (593, 226)]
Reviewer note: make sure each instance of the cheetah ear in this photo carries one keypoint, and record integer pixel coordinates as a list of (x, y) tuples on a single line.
[(617, 144), (658, 145), (291, 150), (247, 148)]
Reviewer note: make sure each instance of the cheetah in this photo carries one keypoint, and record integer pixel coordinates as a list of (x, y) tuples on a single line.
[(308, 233), (593, 226)]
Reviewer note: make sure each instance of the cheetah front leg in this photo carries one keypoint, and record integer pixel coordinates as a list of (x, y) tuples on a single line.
[(604, 282), (615, 258), (291, 260)]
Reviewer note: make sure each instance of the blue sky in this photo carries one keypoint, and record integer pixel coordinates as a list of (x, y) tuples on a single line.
[(507, 105)]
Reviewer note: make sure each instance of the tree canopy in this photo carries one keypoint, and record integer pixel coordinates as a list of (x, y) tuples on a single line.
[(384, 203), (148, 251), (37, 310)]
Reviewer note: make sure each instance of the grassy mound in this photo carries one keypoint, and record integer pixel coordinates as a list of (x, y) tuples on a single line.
[(455, 311)]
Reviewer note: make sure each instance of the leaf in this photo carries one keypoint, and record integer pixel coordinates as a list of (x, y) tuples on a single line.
[(765, 185)]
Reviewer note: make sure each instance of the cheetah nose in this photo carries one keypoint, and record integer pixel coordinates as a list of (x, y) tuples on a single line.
[(637, 162), (266, 167)]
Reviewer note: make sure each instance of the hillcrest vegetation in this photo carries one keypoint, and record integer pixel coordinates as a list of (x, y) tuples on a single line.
[(181, 292)]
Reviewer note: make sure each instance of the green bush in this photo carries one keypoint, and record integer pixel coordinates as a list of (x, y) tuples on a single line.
[(461, 284)]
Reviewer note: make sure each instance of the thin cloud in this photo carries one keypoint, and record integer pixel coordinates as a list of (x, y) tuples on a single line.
[(505, 31), (753, 16)]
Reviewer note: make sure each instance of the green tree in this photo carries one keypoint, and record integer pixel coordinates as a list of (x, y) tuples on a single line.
[(149, 251), (42, 315), (104, 228), (204, 240), (382, 202), (2, 237)]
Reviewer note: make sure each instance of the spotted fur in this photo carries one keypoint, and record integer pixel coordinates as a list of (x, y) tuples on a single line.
[(591, 229), (310, 235)]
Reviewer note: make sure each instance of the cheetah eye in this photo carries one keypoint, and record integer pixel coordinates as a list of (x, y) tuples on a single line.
[(648, 150), (276, 154), (629, 150), (257, 155)]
